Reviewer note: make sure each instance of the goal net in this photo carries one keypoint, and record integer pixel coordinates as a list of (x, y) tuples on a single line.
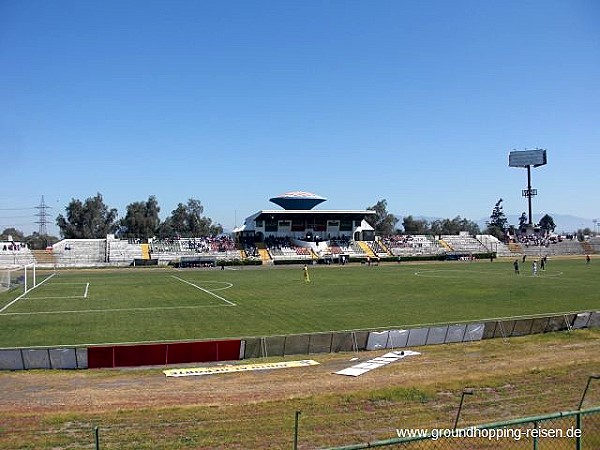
[(21, 278)]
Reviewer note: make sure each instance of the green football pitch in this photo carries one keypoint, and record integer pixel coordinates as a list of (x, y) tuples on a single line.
[(107, 306)]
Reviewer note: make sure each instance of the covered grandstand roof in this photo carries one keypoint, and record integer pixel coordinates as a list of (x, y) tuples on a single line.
[(324, 214), (298, 200)]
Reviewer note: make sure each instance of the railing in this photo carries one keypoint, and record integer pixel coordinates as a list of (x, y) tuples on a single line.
[(578, 430)]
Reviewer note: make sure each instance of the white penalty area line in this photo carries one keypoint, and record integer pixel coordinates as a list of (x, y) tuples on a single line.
[(109, 310), (204, 290), (25, 293), (60, 297)]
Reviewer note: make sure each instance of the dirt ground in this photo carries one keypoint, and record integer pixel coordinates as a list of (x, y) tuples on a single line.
[(459, 364)]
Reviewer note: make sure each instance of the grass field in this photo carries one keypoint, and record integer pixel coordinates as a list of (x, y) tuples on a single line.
[(80, 307), (141, 410)]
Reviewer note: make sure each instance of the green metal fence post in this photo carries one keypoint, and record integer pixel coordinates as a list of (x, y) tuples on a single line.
[(535, 436), (462, 398), (587, 386), (296, 430), (578, 427), (96, 438)]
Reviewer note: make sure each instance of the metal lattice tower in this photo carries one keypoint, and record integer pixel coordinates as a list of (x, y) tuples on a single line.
[(43, 217)]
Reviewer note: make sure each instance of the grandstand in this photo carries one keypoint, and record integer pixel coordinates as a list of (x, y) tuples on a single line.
[(418, 245), (297, 233), (463, 243)]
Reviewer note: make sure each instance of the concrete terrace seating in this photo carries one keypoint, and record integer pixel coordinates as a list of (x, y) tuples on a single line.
[(79, 252), (464, 244), (123, 252), (493, 244), (219, 247), (408, 245), (595, 244), (565, 247), (377, 249)]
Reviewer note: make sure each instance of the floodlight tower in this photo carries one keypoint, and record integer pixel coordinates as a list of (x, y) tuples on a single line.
[(527, 159)]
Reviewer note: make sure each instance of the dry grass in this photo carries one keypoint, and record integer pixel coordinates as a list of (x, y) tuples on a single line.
[(142, 409)]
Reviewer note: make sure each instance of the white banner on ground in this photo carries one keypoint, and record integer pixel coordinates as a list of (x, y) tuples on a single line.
[(375, 363), (230, 368)]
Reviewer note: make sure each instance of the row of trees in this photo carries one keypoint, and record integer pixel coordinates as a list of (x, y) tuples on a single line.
[(93, 219), (386, 223), (499, 227)]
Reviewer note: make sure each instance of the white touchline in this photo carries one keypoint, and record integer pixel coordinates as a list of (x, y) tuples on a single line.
[(24, 294), (109, 310), (87, 287), (204, 290)]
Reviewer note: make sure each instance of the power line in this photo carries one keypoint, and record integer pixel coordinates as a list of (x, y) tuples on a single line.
[(17, 209)]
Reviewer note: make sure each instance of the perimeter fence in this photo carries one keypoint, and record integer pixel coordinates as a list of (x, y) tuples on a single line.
[(573, 430)]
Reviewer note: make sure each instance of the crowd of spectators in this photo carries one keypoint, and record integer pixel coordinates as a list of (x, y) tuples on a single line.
[(209, 244), (284, 244), (537, 240), (206, 244), (406, 241)]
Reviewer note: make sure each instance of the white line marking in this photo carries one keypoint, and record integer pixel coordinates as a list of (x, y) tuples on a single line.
[(204, 290), (87, 287), (110, 310), (25, 293)]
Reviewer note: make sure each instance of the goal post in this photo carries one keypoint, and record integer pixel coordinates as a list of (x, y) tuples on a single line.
[(22, 278), (29, 275)]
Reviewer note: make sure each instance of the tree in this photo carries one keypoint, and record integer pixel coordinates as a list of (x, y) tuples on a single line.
[(14, 234), (498, 224), (384, 222), (582, 233), (187, 221), (141, 219), (40, 242), (454, 226), (91, 219), (547, 223), (415, 226), (523, 222)]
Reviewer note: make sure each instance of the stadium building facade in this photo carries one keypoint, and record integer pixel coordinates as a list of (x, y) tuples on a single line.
[(304, 225)]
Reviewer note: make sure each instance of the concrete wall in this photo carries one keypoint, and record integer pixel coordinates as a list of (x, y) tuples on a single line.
[(43, 358), (301, 344), (305, 344)]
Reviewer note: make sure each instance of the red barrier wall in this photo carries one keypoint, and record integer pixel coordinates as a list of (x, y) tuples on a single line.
[(160, 354)]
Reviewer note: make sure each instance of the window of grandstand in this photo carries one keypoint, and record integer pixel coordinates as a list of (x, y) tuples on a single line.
[(320, 225), (298, 225), (345, 225), (271, 225)]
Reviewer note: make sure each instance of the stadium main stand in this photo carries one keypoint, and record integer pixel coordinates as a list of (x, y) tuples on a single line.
[(294, 234), (225, 250)]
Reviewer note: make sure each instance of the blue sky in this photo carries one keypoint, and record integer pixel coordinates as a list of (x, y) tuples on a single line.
[(231, 103)]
